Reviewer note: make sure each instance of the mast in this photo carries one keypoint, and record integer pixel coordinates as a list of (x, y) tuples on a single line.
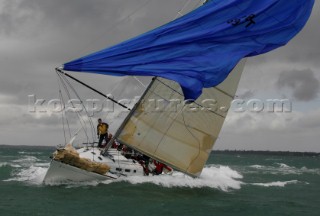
[(118, 132), (180, 13)]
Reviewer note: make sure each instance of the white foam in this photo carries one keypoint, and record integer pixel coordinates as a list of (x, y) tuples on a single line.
[(32, 174), (26, 159), (257, 166), (15, 165), (3, 164), (33, 170), (283, 169), (276, 183), (219, 177), (29, 153), (282, 165), (311, 171)]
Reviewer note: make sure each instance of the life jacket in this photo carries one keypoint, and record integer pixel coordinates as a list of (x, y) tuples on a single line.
[(103, 128), (160, 167)]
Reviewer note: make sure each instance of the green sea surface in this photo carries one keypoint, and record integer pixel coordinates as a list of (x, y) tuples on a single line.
[(232, 183)]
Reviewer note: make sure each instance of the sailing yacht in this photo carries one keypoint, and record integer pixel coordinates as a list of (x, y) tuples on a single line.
[(183, 138), (196, 61)]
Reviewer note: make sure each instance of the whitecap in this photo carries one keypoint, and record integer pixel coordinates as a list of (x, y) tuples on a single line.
[(15, 165), (32, 174), (276, 183), (257, 166), (26, 159), (29, 153), (10, 164), (310, 171), (3, 164), (282, 165)]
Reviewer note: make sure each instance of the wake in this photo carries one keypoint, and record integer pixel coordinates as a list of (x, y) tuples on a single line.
[(32, 171), (218, 177)]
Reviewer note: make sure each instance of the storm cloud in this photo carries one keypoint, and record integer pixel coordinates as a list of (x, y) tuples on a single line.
[(304, 84), (39, 35)]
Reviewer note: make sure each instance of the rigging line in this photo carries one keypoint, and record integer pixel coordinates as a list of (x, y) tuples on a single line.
[(126, 120), (93, 131), (68, 94), (66, 119), (82, 122), (62, 118), (116, 24), (73, 78), (122, 91), (111, 95), (114, 88), (77, 95), (89, 119), (61, 96), (62, 114)]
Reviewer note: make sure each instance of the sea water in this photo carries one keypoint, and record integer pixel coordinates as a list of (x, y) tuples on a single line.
[(232, 183)]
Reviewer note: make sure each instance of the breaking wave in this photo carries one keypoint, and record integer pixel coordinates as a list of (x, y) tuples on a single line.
[(32, 175), (27, 169), (218, 177), (282, 165), (282, 169), (3, 164)]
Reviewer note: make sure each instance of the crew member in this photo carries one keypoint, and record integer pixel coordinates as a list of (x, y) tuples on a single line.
[(160, 167), (102, 132)]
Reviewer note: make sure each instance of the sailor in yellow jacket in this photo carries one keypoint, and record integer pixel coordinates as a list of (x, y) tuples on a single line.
[(102, 131)]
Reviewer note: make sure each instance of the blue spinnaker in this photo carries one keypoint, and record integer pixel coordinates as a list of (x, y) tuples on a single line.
[(200, 49)]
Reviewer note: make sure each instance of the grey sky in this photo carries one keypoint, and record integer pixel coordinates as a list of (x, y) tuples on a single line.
[(39, 35), (303, 83)]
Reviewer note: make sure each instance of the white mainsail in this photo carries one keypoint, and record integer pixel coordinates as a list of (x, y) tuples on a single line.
[(179, 135)]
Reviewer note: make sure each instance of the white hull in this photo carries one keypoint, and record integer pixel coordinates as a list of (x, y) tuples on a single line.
[(120, 166), (61, 172)]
